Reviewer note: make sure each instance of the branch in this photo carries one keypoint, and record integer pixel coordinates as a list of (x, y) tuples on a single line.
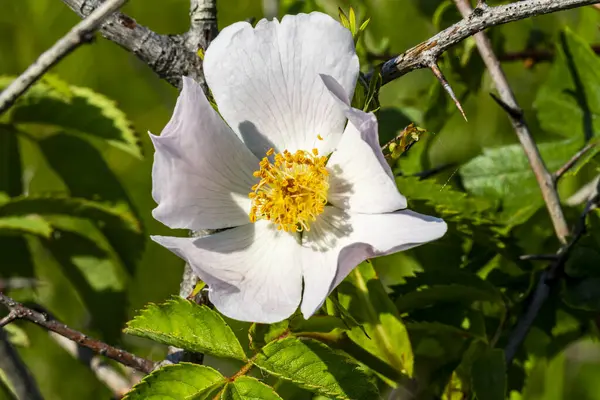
[(544, 178), (19, 311), (81, 33), (112, 379), (16, 371), (548, 278), (573, 161), (427, 53), (166, 55), (203, 24)]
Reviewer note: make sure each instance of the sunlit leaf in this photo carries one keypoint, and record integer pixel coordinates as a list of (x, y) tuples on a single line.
[(176, 382), (316, 367), (189, 326)]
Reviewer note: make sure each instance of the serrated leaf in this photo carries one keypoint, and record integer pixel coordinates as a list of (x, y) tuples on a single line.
[(450, 203), (488, 376), (442, 293), (176, 382), (29, 224), (189, 326), (316, 367), (382, 332), (504, 173), (77, 109), (568, 104), (248, 388)]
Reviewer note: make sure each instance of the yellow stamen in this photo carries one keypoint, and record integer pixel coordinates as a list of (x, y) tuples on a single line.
[(292, 190)]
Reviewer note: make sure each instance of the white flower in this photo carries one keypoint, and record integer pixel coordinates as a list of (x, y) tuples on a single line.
[(302, 218)]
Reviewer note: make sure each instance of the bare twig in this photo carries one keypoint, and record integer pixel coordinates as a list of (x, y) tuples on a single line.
[(19, 311), (571, 163), (548, 278), (16, 371), (203, 24), (166, 55), (81, 33), (544, 178), (427, 53)]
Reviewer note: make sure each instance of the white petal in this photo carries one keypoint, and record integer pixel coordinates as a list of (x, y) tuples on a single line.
[(253, 271), (340, 241), (266, 81), (360, 178), (202, 172)]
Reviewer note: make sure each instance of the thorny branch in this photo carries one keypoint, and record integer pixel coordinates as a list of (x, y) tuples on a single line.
[(170, 57), (548, 278), (19, 311), (81, 33), (544, 178), (426, 54)]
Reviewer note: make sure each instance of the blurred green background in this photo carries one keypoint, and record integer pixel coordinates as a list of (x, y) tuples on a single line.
[(28, 27)]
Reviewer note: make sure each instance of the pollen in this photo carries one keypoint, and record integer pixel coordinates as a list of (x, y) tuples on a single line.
[(292, 190)]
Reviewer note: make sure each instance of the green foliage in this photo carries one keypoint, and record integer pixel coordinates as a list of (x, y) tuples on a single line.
[(56, 104), (381, 331), (178, 381), (431, 321), (316, 367), (184, 324), (489, 376), (277, 351)]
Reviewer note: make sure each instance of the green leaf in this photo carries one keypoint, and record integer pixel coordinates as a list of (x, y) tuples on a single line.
[(247, 388), (568, 104), (108, 190), (317, 323), (175, 382), (31, 224), (76, 109), (443, 293), (184, 324), (261, 334), (116, 217), (10, 162), (489, 376), (504, 173), (16, 335), (316, 367), (447, 202), (382, 332)]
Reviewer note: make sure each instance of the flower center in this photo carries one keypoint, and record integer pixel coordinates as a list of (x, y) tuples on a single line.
[(292, 190)]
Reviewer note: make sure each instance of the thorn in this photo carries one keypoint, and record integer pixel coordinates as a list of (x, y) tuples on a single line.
[(514, 112), (440, 77)]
